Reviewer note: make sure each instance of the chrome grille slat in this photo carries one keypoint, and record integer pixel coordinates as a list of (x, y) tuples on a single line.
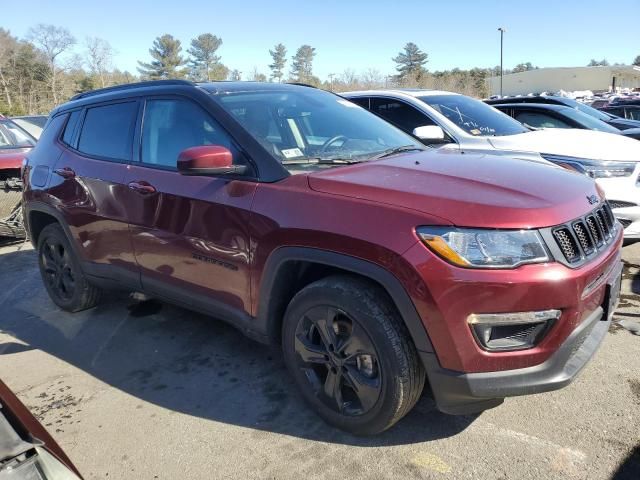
[(584, 238)]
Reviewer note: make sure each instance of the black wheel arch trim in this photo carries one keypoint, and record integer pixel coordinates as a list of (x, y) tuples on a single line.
[(271, 325)]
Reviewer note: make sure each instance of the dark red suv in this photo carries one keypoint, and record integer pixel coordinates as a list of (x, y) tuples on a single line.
[(303, 219)]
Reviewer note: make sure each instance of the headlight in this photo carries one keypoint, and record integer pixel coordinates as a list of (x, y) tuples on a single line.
[(482, 248), (593, 168)]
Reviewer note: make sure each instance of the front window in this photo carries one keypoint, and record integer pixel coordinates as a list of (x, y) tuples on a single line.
[(12, 136), (311, 129), (473, 116)]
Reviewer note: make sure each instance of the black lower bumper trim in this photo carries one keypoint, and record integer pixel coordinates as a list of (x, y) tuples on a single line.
[(464, 393)]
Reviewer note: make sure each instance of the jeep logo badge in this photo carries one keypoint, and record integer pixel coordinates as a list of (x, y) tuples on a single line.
[(592, 199)]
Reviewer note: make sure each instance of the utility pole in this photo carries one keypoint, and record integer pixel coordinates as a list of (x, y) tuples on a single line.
[(501, 30), (331, 75)]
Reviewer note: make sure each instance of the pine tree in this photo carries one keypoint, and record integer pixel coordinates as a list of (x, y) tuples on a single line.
[(203, 56), (279, 56), (410, 62), (166, 61), (302, 64), (636, 61)]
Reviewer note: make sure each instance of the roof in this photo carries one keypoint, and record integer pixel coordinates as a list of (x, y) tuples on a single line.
[(532, 106), (413, 92), (240, 86)]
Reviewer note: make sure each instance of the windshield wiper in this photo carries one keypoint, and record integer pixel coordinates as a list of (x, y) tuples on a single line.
[(394, 150), (321, 161)]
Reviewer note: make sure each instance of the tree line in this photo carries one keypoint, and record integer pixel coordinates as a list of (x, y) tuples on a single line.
[(49, 66)]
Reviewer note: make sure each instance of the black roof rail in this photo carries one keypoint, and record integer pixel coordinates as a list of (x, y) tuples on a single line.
[(301, 84), (126, 86)]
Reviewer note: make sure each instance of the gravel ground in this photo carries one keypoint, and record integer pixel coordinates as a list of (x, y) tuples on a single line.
[(147, 390)]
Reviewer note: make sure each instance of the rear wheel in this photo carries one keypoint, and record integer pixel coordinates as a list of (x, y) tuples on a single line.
[(63, 278), (351, 355)]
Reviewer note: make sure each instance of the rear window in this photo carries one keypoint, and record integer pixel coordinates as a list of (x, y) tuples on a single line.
[(107, 131)]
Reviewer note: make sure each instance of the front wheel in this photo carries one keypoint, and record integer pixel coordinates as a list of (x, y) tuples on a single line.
[(351, 355)]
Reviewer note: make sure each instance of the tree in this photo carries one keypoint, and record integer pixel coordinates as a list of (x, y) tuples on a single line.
[(302, 64), (523, 67), (99, 56), (256, 76), (203, 59), (235, 75), (636, 61), (411, 62), (279, 56), (52, 41), (166, 61), (596, 63), (8, 45)]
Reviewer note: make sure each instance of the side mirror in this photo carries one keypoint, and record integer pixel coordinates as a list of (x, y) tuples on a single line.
[(430, 133), (208, 160)]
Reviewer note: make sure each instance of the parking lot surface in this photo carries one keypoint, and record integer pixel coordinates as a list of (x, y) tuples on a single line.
[(147, 390)]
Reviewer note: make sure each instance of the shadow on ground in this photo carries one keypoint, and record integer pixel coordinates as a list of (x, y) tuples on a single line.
[(182, 361)]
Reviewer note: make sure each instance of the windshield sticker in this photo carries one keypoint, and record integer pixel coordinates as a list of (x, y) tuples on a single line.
[(292, 153), (475, 131)]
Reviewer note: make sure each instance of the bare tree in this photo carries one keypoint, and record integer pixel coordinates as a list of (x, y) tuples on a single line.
[(53, 41), (372, 78), (99, 56), (8, 44)]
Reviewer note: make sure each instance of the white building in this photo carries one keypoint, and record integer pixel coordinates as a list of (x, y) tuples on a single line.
[(596, 79)]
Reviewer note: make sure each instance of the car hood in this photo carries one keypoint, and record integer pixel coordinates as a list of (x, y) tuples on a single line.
[(571, 142), (465, 189), (12, 157)]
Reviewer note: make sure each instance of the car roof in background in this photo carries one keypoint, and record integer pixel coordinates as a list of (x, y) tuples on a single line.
[(534, 106), (536, 99), (412, 92)]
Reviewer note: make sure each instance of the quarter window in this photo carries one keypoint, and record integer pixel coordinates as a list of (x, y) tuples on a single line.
[(171, 126), (107, 131), (70, 129)]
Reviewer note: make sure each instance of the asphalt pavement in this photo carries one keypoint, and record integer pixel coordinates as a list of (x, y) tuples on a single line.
[(146, 390)]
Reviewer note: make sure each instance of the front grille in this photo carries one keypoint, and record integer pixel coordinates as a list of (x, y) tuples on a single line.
[(585, 236), (621, 204)]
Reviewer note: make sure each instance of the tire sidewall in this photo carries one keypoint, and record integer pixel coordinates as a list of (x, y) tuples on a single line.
[(55, 231), (366, 313)]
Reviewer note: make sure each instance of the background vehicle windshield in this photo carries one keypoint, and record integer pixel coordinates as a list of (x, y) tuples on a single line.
[(588, 121), (12, 136), (586, 109), (299, 127), (473, 116)]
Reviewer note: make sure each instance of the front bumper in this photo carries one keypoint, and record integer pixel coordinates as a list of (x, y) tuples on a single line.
[(463, 393)]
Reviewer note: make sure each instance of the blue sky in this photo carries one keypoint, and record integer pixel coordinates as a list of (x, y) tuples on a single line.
[(356, 34)]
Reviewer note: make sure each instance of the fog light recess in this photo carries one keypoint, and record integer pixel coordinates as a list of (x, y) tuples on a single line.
[(511, 331)]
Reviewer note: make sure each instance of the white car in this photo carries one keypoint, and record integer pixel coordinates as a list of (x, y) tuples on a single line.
[(452, 121)]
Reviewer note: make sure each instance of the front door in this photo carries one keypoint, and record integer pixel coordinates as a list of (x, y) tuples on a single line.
[(190, 233)]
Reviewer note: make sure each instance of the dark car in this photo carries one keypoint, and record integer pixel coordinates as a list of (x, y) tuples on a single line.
[(15, 143), (305, 220), (545, 115), (27, 451), (630, 112), (614, 121)]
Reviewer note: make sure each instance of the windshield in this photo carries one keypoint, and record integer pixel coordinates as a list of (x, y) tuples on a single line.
[(586, 109), (34, 128), (473, 116), (12, 136), (588, 121), (310, 128)]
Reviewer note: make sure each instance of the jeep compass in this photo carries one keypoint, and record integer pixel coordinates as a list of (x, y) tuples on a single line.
[(304, 220)]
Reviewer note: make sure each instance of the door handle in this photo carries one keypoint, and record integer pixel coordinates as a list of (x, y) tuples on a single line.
[(142, 187), (65, 172)]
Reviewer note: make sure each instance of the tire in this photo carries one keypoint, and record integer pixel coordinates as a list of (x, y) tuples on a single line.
[(61, 274), (351, 355)]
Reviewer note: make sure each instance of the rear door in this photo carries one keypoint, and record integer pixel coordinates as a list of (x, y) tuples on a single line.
[(190, 233), (88, 181)]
